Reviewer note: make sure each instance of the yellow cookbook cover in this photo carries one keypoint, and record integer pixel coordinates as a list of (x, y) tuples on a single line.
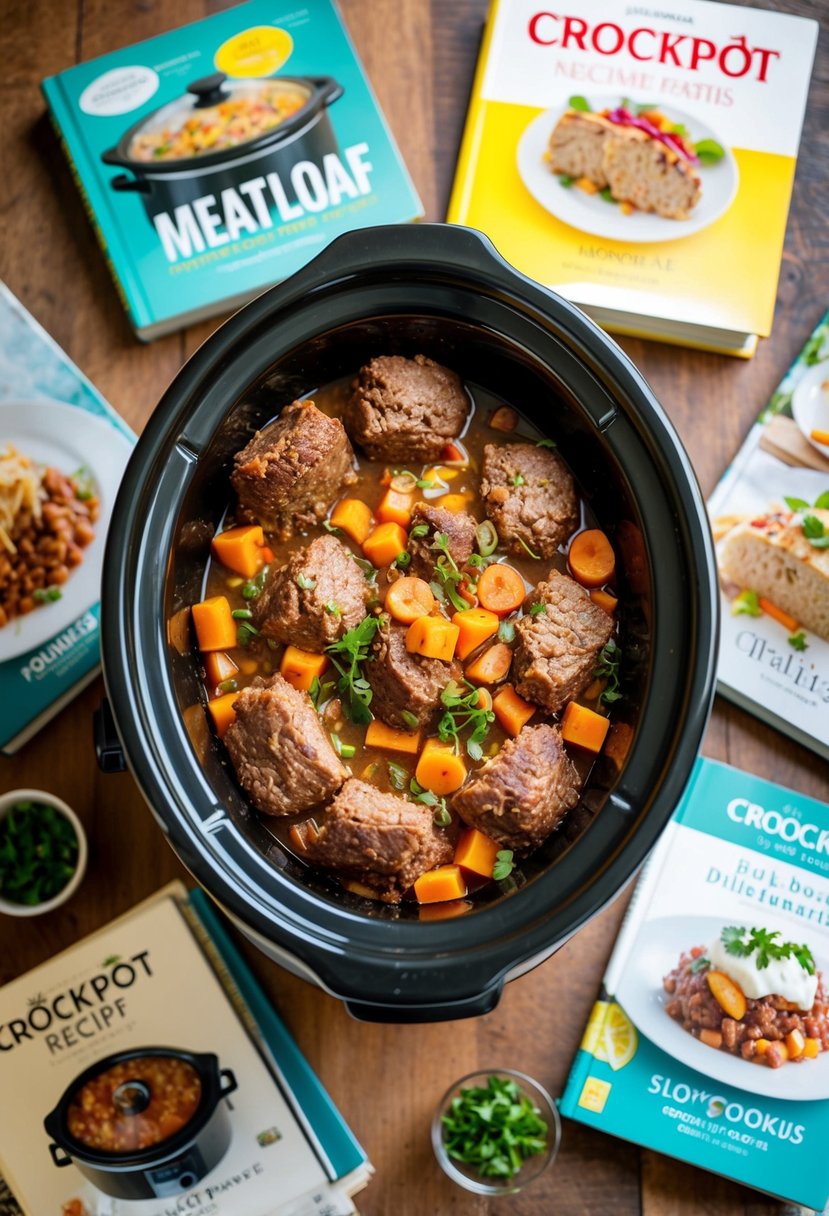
[(639, 158)]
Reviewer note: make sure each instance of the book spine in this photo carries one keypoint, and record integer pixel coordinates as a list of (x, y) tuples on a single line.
[(459, 199), (59, 113)]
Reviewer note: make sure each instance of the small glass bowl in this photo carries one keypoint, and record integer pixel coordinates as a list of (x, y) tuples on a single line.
[(9, 800), (466, 1176)]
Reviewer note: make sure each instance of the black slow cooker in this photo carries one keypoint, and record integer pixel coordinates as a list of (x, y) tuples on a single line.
[(442, 291), (145, 1123), (174, 160)]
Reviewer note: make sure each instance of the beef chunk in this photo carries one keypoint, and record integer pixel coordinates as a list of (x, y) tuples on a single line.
[(291, 471), (557, 650), (282, 756), (460, 532), (313, 599), (378, 839), (404, 682), (520, 795), (542, 510), (405, 409)]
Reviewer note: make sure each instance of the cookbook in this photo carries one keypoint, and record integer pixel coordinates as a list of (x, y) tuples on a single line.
[(640, 160), (710, 1038), (216, 159), (770, 518), (159, 1080), (63, 450)]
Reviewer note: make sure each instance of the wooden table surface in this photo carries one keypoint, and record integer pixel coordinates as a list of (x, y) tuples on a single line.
[(386, 1079)]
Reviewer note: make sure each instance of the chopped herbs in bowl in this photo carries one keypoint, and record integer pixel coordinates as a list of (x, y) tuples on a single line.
[(495, 1131), (42, 852)]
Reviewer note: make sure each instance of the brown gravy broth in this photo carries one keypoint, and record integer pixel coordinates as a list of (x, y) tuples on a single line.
[(260, 658)]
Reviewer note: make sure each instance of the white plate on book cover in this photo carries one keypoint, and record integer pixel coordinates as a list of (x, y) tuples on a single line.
[(591, 213), (68, 438), (810, 403), (656, 951)]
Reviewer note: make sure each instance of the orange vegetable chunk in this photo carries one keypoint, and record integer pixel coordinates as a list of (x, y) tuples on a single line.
[(240, 549), (795, 1044), (770, 609), (475, 625), (439, 769), (811, 1049), (583, 727), (444, 911), (302, 667), (409, 598), (711, 1038), (491, 666), (219, 667), (501, 589), (435, 886), (382, 546), (603, 599), (591, 558), (456, 502), (395, 508), (820, 436), (503, 419), (380, 735), (728, 995), (214, 624), (222, 712), (432, 636), (476, 851), (512, 711), (353, 517)]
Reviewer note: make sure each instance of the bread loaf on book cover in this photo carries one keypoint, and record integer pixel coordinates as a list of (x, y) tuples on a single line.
[(772, 556)]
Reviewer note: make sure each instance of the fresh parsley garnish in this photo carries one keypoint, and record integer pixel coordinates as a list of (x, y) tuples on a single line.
[(709, 151), (38, 852), (465, 711), (503, 865), (797, 641), (610, 656), (347, 655), (699, 964), (84, 484), (442, 816), (410, 720), (764, 942), (398, 776), (320, 692), (333, 608), (537, 609), (814, 529), (369, 571), (418, 531), (447, 574), (579, 103), (747, 603), (420, 794), (565, 180), (607, 195), (518, 480), (494, 1128), (546, 443)]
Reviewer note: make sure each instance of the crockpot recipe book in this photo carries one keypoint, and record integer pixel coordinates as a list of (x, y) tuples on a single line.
[(158, 1080), (640, 160), (770, 519), (710, 1040), (216, 159), (63, 449)]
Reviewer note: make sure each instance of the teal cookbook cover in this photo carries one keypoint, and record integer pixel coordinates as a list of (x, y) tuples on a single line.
[(710, 1040), (217, 159), (51, 418)]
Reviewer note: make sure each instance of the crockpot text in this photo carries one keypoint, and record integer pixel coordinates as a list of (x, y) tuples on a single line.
[(79, 1012), (211, 221)]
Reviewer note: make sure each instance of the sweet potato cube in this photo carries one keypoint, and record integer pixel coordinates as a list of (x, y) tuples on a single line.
[(728, 995), (795, 1043)]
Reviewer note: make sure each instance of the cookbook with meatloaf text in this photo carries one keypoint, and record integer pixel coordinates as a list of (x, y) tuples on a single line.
[(63, 449), (639, 160), (217, 159), (158, 1080), (710, 1040), (770, 517)]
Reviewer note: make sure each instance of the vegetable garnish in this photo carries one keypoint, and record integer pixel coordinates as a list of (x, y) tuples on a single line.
[(472, 710), (579, 103), (420, 794), (537, 609), (418, 530), (333, 608), (47, 595), (546, 443), (84, 483), (486, 538), (346, 750), (763, 941), (320, 692), (503, 865), (442, 816), (535, 556), (494, 1129), (698, 964), (518, 480), (353, 649), (305, 583), (797, 641), (38, 853), (252, 589), (447, 574), (506, 631), (246, 633), (747, 603), (610, 656), (814, 529)]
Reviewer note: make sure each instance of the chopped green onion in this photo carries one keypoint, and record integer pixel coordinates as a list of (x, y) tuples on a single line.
[(442, 816), (517, 480), (535, 556), (242, 614), (403, 560), (537, 609), (506, 632), (410, 720), (546, 443), (398, 776), (346, 750), (486, 538), (418, 530), (304, 582), (333, 608)]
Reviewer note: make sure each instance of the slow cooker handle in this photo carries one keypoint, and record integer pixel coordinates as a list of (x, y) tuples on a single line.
[(59, 1155), (230, 1083), (129, 185), (466, 1007), (330, 89)]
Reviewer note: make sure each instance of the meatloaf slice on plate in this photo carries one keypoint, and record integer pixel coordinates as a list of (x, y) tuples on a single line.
[(378, 839), (772, 556), (316, 597), (645, 172), (530, 496), (577, 144), (557, 649), (292, 470), (282, 756), (520, 795), (459, 529), (404, 683), (405, 409)]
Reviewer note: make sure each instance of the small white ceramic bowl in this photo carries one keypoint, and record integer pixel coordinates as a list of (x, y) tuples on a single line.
[(9, 800)]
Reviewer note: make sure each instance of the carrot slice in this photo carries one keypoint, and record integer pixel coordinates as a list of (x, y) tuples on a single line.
[(380, 735), (240, 549), (819, 436), (492, 666), (222, 712), (584, 727), (477, 852), (353, 516), (591, 558), (214, 624), (395, 507), (219, 667), (501, 589), (409, 598), (302, 667), (603, 599), (512, 711), (475, 625), (770, 609), (432, 636), (446, 882), (384, 544), (439, 769)]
